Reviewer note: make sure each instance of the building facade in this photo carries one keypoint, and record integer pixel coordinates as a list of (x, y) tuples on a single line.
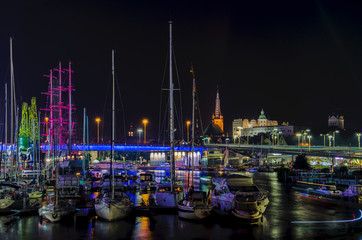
[(336, 121), (246, 127)]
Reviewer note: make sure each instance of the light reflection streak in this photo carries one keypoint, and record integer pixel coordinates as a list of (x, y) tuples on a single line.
[(335, 221)]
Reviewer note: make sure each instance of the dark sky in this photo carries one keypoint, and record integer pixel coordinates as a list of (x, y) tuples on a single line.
[(300, 61)]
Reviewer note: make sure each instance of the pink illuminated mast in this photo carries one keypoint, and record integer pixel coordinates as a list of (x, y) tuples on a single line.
[(59, 110)]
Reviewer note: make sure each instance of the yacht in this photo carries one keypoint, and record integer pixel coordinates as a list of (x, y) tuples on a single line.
[(236, 194), (169, 194), (56, 212), (164, 197), (195, 207), (111, 207), (354, 191), (329, 191)]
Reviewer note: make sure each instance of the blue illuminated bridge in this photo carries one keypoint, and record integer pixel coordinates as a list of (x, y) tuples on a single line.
[(126, 148)]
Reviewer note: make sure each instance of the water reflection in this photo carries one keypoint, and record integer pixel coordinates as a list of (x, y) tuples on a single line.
[(285, 206)]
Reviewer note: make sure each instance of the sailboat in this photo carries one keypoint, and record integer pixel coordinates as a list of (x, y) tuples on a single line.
[(196, 205), (55, 211), (108, 206), (167, 195), (7, 200)]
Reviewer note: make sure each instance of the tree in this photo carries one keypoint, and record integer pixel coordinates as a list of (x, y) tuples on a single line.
[(301, 162)]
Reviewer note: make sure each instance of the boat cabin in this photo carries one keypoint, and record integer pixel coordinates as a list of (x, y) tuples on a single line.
[(167, 188)]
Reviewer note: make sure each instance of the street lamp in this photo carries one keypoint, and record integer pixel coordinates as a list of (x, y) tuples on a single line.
[(330, 137), (188, 132), (324, 138), (298, 135), (145, 122), (139, 135), (98, 120), (359, 139), (334, 139), (309, 137)]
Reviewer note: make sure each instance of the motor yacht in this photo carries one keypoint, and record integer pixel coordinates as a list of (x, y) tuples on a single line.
[(236, 194), (196, 206)]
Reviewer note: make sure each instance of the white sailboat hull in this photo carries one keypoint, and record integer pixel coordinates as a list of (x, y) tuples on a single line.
[(113, 210)]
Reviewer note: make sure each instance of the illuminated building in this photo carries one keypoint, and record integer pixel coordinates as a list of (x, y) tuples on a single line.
[(246, 127), (217, 118), (336, 121)]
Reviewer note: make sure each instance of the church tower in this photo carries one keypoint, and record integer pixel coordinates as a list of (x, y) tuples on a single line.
[(217, 118)]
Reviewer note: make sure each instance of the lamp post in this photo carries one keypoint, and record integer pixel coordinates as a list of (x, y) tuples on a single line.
[(188, 131), (359, 139), (298, 135), (309, 137), (324, 139), (145, 122), (139, 135), (334, 139), (98, 120)]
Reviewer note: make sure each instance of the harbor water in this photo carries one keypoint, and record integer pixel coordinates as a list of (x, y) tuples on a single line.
[(289, 215)]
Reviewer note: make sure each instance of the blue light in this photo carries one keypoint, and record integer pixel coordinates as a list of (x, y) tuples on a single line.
[(95, 147)]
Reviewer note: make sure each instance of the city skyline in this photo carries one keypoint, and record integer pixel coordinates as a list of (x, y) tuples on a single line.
[(297, 62)]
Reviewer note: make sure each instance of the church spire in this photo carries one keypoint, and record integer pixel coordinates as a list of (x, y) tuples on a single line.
[(217, 106), (217, 117)]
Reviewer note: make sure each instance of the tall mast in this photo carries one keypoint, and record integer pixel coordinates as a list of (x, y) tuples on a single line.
[(11, 102), (51, 131), (113, 121), (59, 103), (172, 160), (84, 153), (6, 127), (70, 108), (193, 123)]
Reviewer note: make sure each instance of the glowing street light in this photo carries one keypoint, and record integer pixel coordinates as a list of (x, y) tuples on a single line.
[(330, 142), (98, 120), (324, 138), (359, 139), (298, 135), (188, 131), (334, 139), (309, 137), (145, 122)]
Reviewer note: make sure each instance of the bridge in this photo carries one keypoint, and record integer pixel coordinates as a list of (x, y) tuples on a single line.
[(119, 147), (321, 151)]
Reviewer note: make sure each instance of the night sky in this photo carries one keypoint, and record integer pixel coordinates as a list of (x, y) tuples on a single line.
[(300, 61)]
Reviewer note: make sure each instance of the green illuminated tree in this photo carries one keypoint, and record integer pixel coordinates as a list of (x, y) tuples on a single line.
[(24, 125), (33, 116)]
